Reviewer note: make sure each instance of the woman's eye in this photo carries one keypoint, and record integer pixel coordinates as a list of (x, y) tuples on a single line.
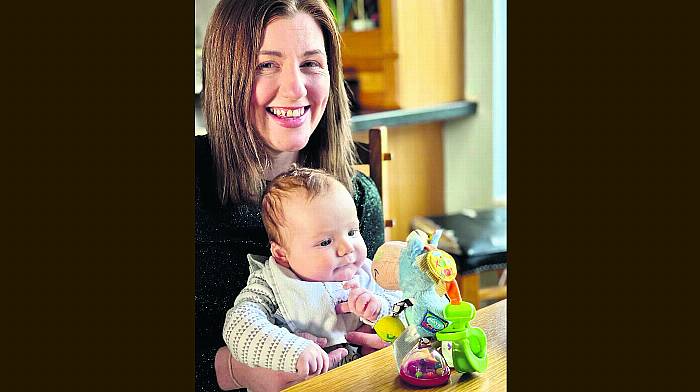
[(325, 242), (265, 65), (310, 64)]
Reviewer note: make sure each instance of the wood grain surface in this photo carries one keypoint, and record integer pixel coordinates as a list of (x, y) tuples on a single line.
[(377, 371)]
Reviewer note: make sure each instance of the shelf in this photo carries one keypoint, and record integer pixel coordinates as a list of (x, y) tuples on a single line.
[(389, 118)]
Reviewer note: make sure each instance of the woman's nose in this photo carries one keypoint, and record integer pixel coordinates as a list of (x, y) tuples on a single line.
[(292, 84)]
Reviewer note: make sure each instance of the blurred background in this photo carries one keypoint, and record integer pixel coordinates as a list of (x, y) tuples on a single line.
[(433, 72)]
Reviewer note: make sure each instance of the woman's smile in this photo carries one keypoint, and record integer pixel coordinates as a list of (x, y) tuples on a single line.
[(289, 117)]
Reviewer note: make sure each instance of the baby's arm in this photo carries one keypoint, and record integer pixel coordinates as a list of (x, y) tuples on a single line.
[(255, 341)]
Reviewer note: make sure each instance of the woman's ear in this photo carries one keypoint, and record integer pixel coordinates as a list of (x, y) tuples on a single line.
[(279, 253)]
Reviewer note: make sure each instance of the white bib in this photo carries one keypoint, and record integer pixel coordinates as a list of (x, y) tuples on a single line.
[(310, 306)]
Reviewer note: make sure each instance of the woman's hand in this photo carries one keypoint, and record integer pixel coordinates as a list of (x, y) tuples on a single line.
[(366, 338)]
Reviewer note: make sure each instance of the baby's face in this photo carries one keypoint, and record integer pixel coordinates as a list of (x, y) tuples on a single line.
[(322, 236)]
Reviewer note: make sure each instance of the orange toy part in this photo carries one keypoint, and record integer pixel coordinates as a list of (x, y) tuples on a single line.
[(453, 292)]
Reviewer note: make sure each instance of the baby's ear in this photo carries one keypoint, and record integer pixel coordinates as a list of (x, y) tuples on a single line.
[(279, 253)]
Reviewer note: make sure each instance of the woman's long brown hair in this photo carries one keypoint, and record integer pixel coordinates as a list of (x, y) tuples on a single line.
[(229, 58)]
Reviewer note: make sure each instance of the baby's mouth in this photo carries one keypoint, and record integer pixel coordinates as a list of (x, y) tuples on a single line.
[(348, 266), (288, 112)]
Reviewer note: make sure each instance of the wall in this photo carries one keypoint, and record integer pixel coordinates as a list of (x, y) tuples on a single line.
[(500, 100), (202, 11), (468, 143)]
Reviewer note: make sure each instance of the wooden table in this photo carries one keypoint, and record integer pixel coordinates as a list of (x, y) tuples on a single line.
[(378, 372)]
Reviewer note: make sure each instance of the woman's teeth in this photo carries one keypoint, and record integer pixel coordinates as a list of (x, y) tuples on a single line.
[(287, 112)]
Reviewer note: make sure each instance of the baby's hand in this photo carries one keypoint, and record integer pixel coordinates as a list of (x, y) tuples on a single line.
[(312, 361), (361, 302)]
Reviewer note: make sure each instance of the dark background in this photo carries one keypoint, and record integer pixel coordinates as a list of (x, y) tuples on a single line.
[(98, 164)]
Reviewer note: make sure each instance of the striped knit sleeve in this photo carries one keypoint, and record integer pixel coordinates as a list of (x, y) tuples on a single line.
[(250, 334)]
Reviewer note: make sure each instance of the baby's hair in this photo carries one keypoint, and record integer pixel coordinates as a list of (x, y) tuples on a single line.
[(313, 181)]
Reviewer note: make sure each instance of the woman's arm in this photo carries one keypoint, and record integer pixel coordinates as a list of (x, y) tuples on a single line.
[(232, 374)]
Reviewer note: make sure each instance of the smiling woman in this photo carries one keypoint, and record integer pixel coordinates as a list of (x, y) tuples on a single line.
[(273, 95), (291, 85), (281, 55)]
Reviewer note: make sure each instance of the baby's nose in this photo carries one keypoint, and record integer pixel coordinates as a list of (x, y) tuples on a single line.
[(344, 248)]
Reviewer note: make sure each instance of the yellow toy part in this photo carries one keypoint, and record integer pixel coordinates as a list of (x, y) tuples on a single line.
[(442, 266), (389, 328)]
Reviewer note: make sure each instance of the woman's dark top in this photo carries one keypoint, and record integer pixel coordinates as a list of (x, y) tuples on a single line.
[(224, 235)]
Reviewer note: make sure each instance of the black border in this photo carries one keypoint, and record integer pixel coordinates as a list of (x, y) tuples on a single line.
[(599, 199), (99, 155), (99, 162)]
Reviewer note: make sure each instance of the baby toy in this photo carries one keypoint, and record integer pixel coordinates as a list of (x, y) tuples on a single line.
[(434, 311), (424, 366)]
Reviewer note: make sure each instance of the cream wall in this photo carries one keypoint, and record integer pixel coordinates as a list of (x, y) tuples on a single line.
[(202, 11), (467, 143)]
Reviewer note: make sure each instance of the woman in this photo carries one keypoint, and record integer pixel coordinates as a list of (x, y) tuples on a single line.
[(273, 95)]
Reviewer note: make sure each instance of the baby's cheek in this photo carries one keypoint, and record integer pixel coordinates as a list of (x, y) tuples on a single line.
[(363, 250)]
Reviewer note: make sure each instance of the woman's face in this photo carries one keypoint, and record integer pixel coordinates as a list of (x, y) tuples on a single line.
[(292, 82)]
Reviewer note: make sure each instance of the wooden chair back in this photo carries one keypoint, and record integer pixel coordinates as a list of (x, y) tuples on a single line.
[(374, 156)]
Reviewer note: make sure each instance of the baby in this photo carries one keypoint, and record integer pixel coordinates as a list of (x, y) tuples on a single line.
[(318, 280)]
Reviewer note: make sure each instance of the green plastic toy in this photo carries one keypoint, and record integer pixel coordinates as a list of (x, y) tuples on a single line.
[(468, 343)]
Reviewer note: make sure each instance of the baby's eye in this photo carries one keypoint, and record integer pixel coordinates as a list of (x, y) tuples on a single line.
[(352, 232), (325, 242)]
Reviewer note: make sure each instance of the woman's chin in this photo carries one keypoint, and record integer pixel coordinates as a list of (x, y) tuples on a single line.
[(292, 145)]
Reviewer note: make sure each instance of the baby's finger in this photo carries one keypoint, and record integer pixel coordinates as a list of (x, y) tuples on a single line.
[(312, 366), (320, 360), (362, 301), (342, 307), (351, 284), (326, 363), (372, 310), (303, 369)]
